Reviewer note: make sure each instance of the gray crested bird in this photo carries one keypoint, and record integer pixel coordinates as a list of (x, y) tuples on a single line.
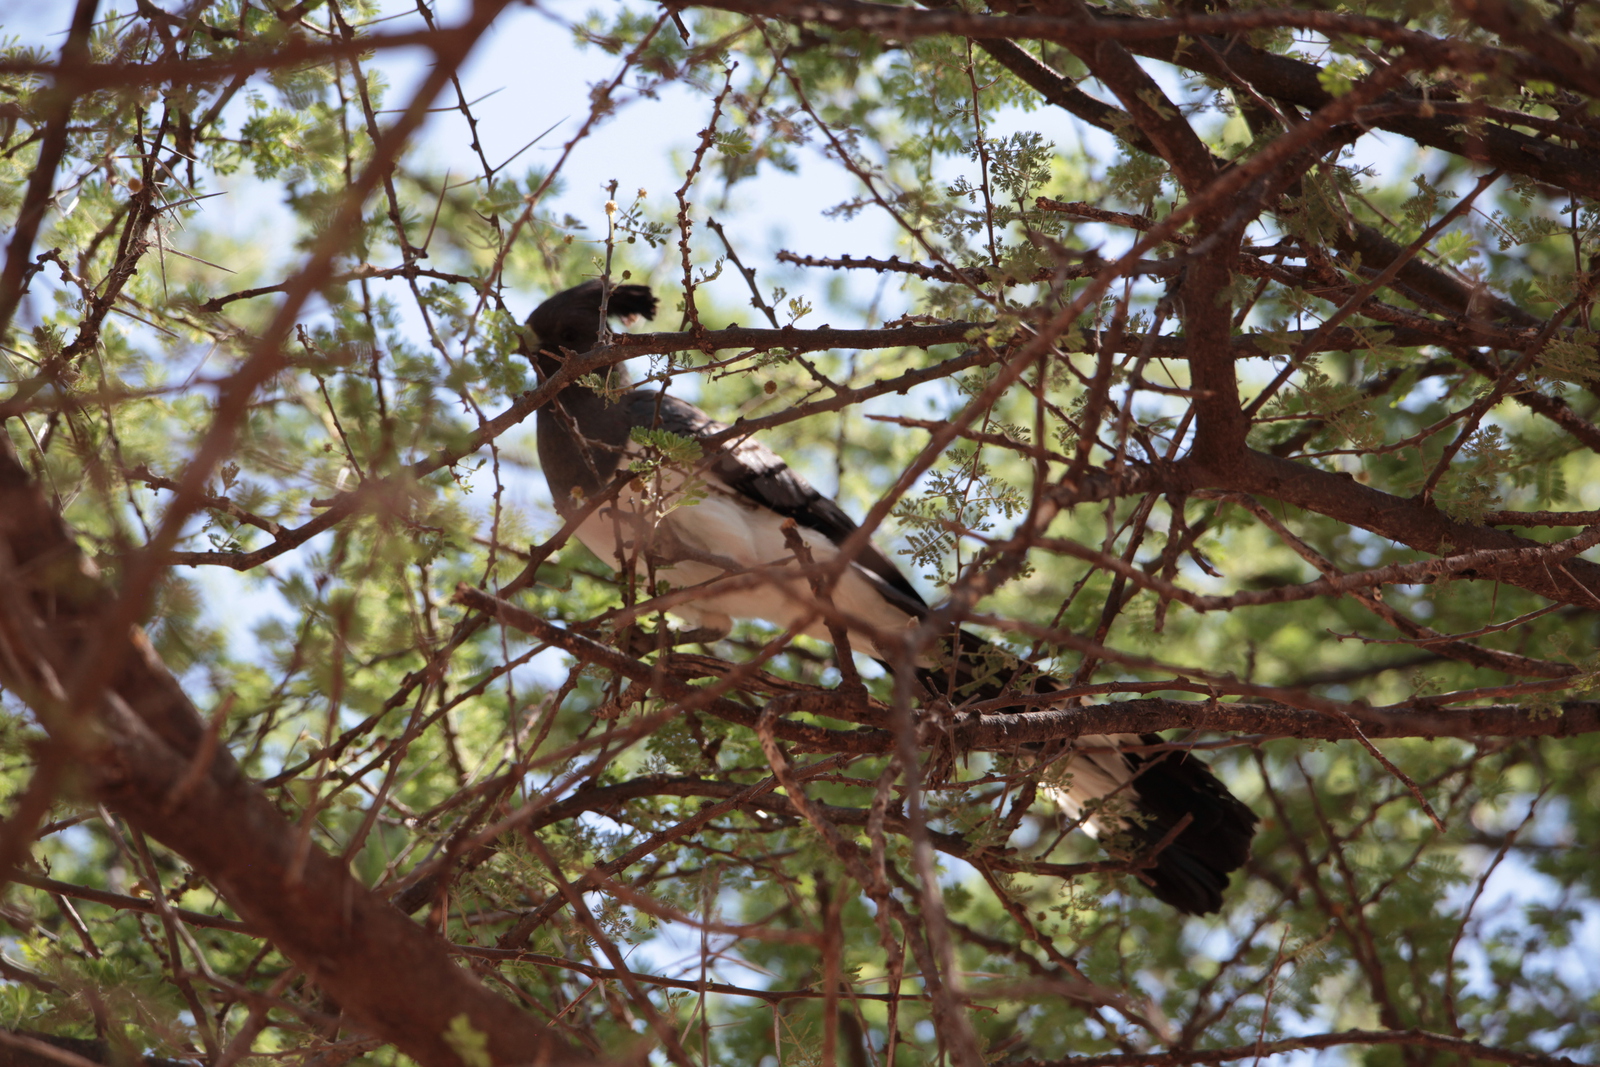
[(731, 545)]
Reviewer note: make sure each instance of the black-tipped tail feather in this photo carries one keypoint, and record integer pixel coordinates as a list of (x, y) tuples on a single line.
[(1154, 792), (1191, 872)]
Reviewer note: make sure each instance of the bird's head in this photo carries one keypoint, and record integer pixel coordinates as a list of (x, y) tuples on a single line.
[(570, 319)]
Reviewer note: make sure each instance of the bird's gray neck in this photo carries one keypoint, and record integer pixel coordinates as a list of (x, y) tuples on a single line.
[(615, 378), (581, 432)]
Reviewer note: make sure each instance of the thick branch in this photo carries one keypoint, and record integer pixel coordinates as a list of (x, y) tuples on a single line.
[(1130, 716), (57, 111), (1419, 525), (1295, 81), (393, 977), (1415, 1038), (1528, 564), (1149, 715)]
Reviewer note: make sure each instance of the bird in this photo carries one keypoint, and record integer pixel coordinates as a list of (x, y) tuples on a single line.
[(723, 525)]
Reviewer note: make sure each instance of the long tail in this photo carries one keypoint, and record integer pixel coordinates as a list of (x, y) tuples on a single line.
[(1145, 796)]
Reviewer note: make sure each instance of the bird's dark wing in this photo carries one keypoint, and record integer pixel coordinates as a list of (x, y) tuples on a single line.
[(759, 475)]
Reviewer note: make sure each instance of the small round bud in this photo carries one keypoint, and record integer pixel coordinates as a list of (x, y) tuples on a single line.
[(134, 185), (770, 387)]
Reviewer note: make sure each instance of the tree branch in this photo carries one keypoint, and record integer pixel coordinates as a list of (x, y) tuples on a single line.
[(1413, 1038)]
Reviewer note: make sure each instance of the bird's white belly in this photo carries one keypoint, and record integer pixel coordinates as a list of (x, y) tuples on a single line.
[(741, 548)]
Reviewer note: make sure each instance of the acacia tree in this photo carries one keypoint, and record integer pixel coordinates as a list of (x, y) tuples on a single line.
[(1249, 430)]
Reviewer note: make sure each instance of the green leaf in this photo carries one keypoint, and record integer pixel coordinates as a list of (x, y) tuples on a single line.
[(470, 1043)]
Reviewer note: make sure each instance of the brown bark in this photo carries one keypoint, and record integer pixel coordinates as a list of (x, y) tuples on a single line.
[(25, 1048), (1005, 731), (137, 741), (1413, 1038)]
